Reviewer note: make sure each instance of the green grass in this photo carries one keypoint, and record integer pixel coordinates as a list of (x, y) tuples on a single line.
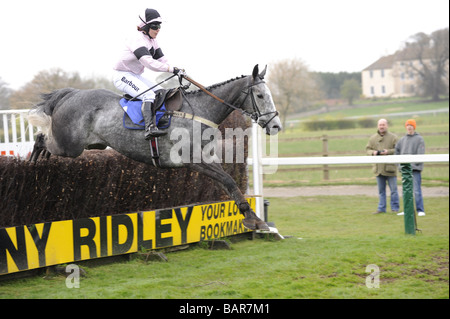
[(333, 240), (426, 123), (384, 109)]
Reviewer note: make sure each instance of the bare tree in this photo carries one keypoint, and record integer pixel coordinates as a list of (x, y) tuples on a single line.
[(48, 80), (432, 54), (293, 86), (5, 93)]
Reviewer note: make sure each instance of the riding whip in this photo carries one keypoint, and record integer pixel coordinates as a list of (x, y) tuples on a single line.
[(135, 98)]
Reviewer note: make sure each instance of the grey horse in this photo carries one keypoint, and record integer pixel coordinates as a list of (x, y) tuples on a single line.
[(73, 120)]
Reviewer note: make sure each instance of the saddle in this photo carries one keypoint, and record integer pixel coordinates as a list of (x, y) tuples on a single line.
[(171, 98)]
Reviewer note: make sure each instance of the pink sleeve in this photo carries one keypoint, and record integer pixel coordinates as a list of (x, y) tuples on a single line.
[(160, 65)]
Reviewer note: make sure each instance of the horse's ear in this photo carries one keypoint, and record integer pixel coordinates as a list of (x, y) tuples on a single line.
[(263, 73), (255, 72)]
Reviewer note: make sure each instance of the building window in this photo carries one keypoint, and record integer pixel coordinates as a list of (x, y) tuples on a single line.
[(383, 90), (371, 74), (372, 90), (382, 73)]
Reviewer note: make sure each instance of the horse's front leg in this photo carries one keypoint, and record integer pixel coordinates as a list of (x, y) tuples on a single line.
[(216, 172)]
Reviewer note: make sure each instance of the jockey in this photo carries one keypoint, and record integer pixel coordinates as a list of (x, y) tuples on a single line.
[(142, 51)]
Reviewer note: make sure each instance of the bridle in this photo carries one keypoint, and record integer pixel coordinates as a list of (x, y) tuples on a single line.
[(255, 115), (256, 112)]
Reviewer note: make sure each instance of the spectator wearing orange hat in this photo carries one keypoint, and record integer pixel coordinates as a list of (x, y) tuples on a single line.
[(413, 143)]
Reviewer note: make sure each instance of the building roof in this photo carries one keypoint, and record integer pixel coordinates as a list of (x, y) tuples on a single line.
[(384, 62), (406, 54)]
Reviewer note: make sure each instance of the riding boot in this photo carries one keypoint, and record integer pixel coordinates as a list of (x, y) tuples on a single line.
[(151, 130)]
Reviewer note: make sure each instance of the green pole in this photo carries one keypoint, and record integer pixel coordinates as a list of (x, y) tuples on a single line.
[(408, 199)]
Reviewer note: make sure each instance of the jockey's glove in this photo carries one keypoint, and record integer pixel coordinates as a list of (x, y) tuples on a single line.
[(178, 71)]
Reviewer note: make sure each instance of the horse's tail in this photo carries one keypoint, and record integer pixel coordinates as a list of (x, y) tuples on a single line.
[(41, 114)]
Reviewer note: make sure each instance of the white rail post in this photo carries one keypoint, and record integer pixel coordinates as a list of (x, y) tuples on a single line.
[(22, 128), (14, 128), (257, 170), (5, 128)]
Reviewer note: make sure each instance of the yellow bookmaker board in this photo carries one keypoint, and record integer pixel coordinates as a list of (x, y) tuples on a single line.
[(52, 243)]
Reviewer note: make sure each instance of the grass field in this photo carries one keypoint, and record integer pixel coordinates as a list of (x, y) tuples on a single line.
[(333, 240)]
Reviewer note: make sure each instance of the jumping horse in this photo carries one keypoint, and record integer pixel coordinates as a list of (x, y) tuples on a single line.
[(72, 120)]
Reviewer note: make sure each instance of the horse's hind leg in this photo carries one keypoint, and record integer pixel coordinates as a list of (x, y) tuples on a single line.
[(46, 154), (38, 148), (216, 172)]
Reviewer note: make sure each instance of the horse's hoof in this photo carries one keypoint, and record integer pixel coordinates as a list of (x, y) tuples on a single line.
[(261, 225), (250, 223), (255, 224)]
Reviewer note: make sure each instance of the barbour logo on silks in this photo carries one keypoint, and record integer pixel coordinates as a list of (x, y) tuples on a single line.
[(130, 83)]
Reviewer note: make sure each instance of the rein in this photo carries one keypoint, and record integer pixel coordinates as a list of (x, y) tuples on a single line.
[(201, 87), (256, 112)]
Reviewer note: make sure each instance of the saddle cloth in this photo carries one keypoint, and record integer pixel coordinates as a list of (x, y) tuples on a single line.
[(166, 100), (133, 113)]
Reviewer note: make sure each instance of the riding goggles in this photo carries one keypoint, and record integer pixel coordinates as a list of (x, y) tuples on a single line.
[(155, 26)]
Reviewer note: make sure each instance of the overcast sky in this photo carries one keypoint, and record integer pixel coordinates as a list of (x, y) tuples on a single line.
[(213, 40)]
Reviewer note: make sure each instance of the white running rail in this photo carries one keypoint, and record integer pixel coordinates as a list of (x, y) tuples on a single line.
[(16, 134)]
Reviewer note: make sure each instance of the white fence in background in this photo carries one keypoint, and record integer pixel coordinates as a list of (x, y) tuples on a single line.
[(341, 160), (16, 134)]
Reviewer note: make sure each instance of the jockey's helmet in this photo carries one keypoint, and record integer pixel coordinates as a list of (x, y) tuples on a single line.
[(151, 17)]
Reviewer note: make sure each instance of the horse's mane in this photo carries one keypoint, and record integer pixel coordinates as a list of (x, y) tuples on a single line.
[(214, 86)]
